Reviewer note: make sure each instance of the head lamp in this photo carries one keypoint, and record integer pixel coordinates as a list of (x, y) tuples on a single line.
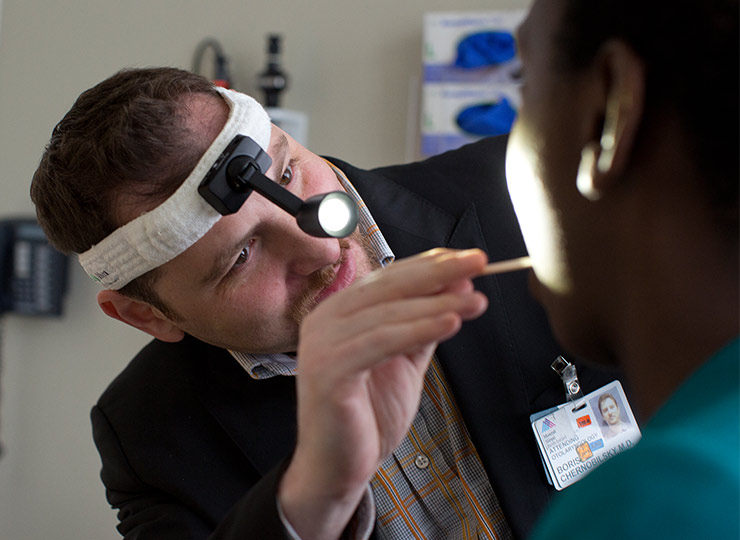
[(241, 168)]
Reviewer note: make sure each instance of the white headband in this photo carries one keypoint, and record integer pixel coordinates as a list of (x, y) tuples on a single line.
[(162, 234)]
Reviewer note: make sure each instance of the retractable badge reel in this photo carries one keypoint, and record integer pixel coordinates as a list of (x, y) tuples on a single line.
[(568, 374), (579, 435)]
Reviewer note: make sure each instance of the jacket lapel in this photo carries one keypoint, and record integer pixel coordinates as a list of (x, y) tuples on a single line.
[(258, 415)]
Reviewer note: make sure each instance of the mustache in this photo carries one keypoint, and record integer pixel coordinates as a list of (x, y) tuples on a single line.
[(315, 283)]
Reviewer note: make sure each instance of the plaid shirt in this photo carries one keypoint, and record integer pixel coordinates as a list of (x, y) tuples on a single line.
[(433, 486)]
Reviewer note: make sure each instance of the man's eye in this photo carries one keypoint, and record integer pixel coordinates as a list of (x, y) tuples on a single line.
[(286, 177), (242, 258)]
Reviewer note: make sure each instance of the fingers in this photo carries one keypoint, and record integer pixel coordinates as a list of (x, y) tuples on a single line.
[(387, 340), (464, 305), (425, 274), (400, 326), (368, 349)]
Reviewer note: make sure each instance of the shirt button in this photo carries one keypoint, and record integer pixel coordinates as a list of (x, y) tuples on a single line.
[(421, 461)]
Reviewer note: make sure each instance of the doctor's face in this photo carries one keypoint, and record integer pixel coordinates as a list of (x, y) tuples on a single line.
[(610, 411), (248, 282)]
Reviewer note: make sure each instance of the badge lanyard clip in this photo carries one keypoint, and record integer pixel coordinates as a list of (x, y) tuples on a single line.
[(567, 372)]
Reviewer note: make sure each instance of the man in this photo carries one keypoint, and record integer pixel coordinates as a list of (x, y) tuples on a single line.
[(613, 424), (623, 170), (207, 432)]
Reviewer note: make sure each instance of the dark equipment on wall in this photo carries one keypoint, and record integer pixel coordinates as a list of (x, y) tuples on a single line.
[(221, 75), (33, 275), (273, 80)]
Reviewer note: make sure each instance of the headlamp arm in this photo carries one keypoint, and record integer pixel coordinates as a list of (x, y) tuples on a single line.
[(244, 175)]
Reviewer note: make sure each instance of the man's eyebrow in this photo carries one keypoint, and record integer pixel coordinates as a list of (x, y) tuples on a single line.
[(222, 260), (279, 154)]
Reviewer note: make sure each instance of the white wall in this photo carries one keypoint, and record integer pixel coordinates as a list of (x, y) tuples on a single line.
[(352, 64)]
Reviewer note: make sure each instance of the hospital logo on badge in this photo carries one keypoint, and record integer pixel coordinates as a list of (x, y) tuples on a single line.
[(547, 424), (583, 421)]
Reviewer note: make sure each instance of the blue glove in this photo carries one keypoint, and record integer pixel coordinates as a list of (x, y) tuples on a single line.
[(485, 49), (487, 118)]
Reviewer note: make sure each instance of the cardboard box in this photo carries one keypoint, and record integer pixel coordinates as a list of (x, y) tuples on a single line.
[(470, 77)]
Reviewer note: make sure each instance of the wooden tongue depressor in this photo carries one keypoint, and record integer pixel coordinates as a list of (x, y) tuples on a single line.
[(500, 267)]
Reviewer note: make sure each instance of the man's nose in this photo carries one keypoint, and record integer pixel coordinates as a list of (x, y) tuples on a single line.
[(301, 253)]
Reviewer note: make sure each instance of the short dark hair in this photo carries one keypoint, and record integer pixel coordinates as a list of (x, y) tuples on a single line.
[(126, 136), (690, 50)]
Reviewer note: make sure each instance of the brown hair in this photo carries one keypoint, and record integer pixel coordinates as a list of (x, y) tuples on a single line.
[(126, 136), (604, 397)]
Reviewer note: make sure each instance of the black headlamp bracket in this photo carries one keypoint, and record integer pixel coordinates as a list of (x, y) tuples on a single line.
[(228, 182)]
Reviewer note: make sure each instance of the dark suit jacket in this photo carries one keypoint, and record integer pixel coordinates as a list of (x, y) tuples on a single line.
[(192, 446)]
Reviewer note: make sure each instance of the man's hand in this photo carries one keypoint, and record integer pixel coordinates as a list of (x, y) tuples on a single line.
[(362, 357)]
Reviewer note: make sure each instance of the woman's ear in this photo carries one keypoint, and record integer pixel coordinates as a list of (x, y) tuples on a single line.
[(622, 78), (139, 315)]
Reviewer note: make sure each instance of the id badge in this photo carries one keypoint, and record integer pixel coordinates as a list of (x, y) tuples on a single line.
[(576, 437)]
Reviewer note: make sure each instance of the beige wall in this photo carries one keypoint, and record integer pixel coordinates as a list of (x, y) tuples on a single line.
[(354, 68)]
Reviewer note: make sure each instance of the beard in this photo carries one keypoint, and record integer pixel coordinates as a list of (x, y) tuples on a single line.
[(322, 278), (316, 283)]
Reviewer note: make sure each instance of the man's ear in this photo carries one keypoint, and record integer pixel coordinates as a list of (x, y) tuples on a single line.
[(139, 315), (621, 75)]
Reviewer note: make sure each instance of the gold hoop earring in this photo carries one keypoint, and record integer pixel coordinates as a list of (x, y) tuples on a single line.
[(586, 169)]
